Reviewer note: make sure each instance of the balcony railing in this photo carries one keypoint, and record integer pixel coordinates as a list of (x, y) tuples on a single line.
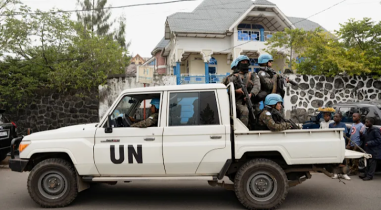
[(200, 79), (254, 35)]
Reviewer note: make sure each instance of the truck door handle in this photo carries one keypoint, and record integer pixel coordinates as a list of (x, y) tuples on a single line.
[(215, 137), (149, 139)]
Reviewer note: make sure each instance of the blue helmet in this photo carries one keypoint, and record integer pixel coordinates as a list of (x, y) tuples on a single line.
[(156, 102), (233, 65), (263, 59), (237, 60), (273, 99)]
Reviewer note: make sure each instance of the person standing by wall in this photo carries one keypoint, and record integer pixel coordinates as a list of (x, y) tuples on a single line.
[(372, 144), (338, 124), (355, 140)]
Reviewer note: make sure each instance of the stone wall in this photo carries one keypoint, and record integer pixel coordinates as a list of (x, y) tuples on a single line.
[(316, 91), (116, 84), (47, 110)]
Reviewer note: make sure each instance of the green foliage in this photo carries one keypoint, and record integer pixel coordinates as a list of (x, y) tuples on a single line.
[(354, 51), (363, 36), (51, 51), (290, 41), (98, 19)]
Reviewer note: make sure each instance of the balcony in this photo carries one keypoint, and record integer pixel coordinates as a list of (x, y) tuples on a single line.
[(254, 35), (200, 79)]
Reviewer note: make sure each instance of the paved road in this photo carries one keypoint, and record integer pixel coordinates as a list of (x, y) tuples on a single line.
[(318, 193)]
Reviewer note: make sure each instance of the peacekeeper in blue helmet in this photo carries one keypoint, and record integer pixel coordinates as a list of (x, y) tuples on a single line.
[(270, 121), (152, 120), (268, 77), (233, 67), (240, 67)]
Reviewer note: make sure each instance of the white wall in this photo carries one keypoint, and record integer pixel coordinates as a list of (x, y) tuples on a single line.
[(222, 66), (196, 66), (190, 44), (108, 93)]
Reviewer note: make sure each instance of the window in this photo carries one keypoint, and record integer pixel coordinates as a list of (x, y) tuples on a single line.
[(347, 113), (370, 112), (133, 106), (193, 108)]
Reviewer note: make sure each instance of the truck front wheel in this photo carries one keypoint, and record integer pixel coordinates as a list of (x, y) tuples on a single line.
[(261, 184), (3, 155), (52, 183)]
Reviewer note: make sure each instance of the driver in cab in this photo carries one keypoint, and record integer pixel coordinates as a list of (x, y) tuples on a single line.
[(152, 120)]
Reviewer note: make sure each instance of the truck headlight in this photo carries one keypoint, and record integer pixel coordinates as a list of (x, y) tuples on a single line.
[(23, 145)]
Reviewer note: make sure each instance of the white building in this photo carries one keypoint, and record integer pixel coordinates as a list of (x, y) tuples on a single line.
[(198, 47)]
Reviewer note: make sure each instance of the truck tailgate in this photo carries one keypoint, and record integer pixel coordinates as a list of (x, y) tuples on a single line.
[(350, 154)]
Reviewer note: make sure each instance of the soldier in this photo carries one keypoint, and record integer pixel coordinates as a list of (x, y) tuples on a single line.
[(233, 67), (152, 120), (240, 66), (267, 119), (268, 77)]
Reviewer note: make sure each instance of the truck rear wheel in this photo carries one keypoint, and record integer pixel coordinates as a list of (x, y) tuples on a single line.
[(261, 184), (52, 183)]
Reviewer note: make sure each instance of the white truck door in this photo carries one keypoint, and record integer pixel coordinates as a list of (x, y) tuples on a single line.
[(130, 151), (193, 129)]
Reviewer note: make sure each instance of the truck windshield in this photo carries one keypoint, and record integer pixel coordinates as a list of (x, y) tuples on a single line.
[(124, 106)]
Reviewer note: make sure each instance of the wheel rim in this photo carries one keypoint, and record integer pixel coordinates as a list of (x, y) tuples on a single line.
[(261, 186), (52, 185)]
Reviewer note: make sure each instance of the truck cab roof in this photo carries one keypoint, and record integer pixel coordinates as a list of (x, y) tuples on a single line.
[(176, 87)]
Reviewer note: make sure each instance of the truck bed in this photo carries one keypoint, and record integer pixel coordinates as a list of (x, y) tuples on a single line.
[(312, 146)]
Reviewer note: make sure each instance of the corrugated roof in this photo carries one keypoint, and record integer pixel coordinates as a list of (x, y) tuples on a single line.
[(211, 16), (263, 2), (161, 45), (216, 16), (304, 23)]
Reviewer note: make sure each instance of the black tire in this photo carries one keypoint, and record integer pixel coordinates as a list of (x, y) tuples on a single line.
[(261, 184), (231, 177), (53, 183), (3, 156)]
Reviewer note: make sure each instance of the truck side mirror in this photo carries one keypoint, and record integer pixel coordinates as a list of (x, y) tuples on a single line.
[(108, 128)]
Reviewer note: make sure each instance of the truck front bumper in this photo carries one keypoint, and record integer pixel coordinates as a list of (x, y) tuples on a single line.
[(15, 163)]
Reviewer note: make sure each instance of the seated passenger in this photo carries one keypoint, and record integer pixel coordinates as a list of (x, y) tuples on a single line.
[(270, 117), (152, 120)]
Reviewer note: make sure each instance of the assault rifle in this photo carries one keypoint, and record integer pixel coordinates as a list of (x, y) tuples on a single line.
[(281, 82), (279, 119), (248, 100)]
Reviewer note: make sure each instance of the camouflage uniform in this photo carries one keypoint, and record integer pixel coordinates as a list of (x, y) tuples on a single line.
[(268, 81), (151, 121), (253, 86), (266, 120), (269, 84)]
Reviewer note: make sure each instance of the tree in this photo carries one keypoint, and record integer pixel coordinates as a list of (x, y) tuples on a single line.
[(354, 52), (97, 18), (327, 56), (292, 41), (363, 36), (6, 10), (51, 51)]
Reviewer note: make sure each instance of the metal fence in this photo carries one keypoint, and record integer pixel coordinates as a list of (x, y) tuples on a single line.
[(200, 79)]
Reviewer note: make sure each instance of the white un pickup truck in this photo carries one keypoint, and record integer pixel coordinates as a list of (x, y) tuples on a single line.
[(197, 137)]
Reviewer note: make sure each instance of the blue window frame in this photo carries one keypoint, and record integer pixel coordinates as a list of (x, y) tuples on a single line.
[(213, 61)]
